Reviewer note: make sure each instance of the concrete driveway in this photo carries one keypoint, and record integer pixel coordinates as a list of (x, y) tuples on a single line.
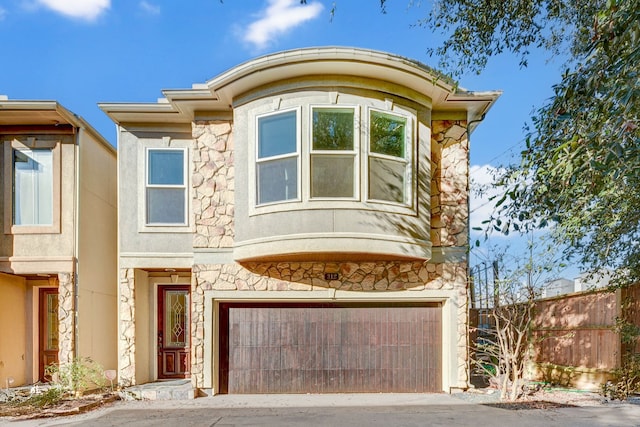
[(338, 410)]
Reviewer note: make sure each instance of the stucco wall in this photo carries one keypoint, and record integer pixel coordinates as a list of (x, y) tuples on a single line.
[(340, 225), (97, 253), (54, 246), (135, 240), (13, 336)]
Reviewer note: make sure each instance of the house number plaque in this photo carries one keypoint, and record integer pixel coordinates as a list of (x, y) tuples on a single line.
[(331, 276)]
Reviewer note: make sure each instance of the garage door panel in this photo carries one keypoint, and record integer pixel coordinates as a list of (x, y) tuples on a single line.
[(320, 348)]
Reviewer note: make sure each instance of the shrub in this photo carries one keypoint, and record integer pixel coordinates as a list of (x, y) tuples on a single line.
[(77, 376), (626, 379)]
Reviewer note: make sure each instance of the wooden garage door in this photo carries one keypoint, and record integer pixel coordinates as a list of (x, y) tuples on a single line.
[(330, 348)]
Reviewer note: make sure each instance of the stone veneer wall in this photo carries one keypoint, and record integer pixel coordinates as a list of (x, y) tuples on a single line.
[(213, 185), (126, 329), (308, 276), (450, 214), (450, 183), (66, 318), (213, 206)]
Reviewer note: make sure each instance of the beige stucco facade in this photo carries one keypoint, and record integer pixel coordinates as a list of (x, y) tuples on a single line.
[(75, 256), (356, 249)]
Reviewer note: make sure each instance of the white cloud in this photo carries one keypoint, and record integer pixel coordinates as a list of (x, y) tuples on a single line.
[(80, 9), (482, 189), (279, 17), (150, 8)]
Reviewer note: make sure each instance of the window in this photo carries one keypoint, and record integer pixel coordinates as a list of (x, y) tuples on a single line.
[(388, 164), (277, 157), (166, 192), (329, 155), (333, 153), (32, 187)]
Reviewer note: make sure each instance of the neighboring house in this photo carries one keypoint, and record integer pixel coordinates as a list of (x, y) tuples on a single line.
[(590, 281), (58, 252), (298, 224), (557, 287)]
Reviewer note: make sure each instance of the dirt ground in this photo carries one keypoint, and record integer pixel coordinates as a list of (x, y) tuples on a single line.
[(545, 398), (20, 409)]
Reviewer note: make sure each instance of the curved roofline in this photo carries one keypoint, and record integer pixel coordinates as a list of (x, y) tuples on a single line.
[(218, 94), (328, 53)]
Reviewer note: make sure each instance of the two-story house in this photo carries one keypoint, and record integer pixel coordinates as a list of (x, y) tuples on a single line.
[(298, 224), (58, 252)]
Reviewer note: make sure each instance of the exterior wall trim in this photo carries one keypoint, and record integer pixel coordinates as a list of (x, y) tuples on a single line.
[(156, 260), (34, 265), (328, 242)]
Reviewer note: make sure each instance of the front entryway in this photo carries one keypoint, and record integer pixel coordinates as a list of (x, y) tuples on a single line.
[(174, 358), (48, 330), (330, 348)]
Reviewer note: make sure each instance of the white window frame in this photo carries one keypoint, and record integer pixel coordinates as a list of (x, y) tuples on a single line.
[(355, 152), (184, 186), (409, 155), (297, 154), (28, 145)]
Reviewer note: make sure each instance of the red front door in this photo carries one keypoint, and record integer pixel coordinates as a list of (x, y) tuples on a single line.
[(173, 331), (48, 327)]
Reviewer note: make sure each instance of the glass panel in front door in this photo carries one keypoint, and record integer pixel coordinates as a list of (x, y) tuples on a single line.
[(176, 322)]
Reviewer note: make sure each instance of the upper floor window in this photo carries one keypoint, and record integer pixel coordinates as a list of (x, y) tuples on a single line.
[(339, 153), (277, 159), (166, 186), (388, 157), (32, 186), (333, 153)]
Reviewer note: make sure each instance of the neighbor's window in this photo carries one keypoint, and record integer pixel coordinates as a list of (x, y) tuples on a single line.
[(33, 187), (166, 186), (333, 152), (277, 157), (388, 163)]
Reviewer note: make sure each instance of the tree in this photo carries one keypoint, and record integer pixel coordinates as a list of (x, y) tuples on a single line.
[(580, 171), (502, 351)]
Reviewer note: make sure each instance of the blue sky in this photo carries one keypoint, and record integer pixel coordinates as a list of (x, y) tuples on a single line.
[(82, 52)]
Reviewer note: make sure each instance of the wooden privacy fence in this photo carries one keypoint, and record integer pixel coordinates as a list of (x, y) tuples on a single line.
[(574, 338)]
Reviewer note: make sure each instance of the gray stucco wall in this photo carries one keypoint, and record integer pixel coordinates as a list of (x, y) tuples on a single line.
[(307, 217), (135, 238)]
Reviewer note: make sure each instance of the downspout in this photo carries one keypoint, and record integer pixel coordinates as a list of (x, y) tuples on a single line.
[(76, 242), (119, 331)]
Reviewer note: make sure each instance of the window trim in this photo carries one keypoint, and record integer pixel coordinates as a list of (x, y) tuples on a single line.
[(31, 144), (408, 160), (185, 186), (257, 160), (355, 152), (304, 105)]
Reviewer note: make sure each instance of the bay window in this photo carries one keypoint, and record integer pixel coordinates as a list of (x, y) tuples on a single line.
[(277, 157), (311, 153), (388, 159), (333, 153)]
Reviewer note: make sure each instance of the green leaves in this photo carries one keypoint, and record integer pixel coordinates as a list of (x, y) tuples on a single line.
[(580, 170)]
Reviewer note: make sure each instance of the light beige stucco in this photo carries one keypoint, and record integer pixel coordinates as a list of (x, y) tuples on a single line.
[(97, 253), (13, 337), (78, 252), (32, 251)]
